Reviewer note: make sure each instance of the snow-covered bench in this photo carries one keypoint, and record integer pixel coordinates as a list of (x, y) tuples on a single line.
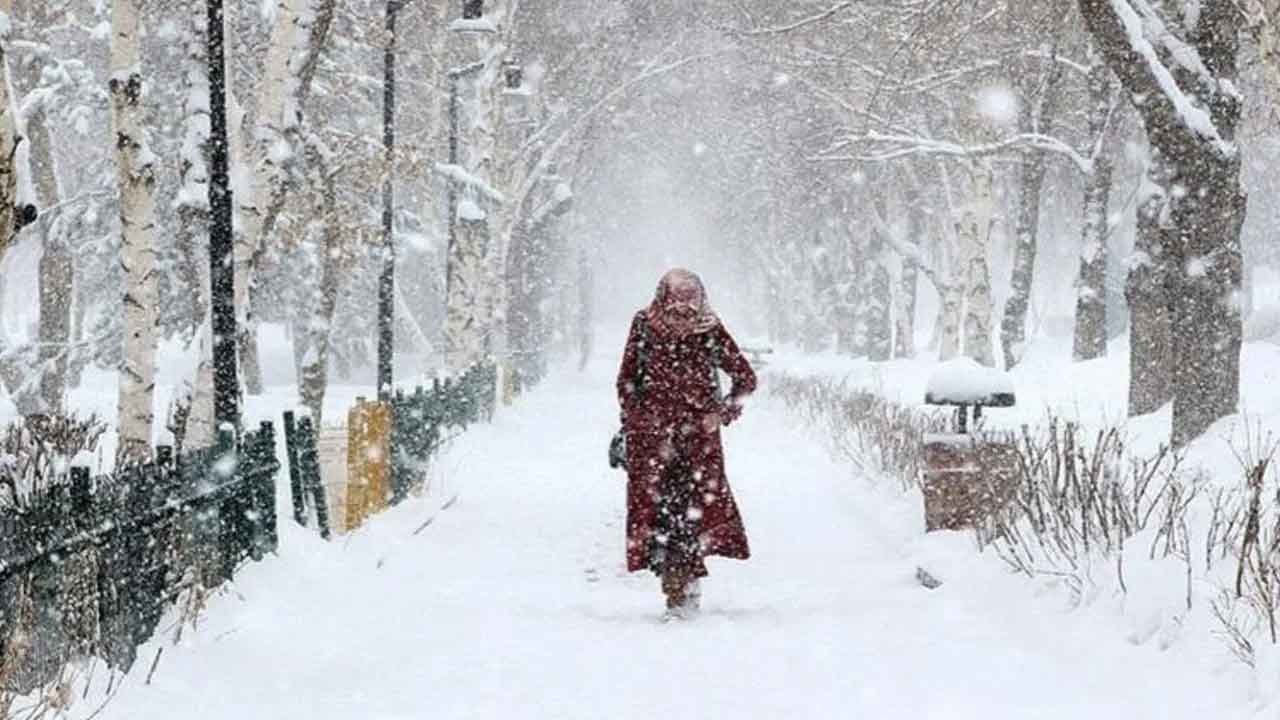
[(963, 383)]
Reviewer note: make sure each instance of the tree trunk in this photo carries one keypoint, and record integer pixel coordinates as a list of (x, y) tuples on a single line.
[(1197, 146), (974, 233), (1090, 337), (268, 165), (226, 385), (949, 321), (904, 317), (55, 269), (193, 226), (1206, 321), (1149, 295), (10, 372), (299, 35), (313, 381), (846, 290), (586, 309), (879, 298), (135, 166), (466, 293), (1013, 327)]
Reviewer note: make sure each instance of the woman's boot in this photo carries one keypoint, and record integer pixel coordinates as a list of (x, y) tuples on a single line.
[(674, 583)]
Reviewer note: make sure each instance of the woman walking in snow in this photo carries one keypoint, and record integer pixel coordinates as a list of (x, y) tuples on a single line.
[(679, 505)]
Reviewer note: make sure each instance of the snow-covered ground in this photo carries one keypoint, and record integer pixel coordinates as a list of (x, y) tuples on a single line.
[(512, 603)]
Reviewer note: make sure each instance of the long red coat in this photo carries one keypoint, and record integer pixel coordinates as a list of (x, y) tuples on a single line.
[(675, 415)]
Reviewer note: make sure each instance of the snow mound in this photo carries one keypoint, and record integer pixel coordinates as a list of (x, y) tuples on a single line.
[(962, 381)]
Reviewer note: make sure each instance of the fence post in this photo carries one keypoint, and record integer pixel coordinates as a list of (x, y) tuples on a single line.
[(401, 416), (261, 477), (295, 476), (225, 470), (368, 461), (309, 466)]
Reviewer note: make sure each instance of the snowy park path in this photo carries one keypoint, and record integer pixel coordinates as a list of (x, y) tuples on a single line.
[(512, 604)]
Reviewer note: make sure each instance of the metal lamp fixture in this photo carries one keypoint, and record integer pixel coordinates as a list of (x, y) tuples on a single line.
[(513, 72)]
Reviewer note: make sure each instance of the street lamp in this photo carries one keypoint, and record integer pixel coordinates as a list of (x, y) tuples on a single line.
[(221, 268), (513, 73), (387, 281)]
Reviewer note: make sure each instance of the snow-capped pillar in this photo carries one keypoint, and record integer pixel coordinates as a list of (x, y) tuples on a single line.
[(135, 167)]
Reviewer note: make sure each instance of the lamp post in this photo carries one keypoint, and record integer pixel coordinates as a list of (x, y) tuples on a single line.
[(387, 281), (221, 268)]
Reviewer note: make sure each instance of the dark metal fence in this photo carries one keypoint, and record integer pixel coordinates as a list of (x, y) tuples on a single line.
[(89, 565)]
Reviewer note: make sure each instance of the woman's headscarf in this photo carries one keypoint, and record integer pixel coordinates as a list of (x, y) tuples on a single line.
[(680, 307)]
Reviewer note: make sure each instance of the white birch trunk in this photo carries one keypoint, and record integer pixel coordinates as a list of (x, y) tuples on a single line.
[(974, 230), (472, 275), (313, 380), (135, 167), (193, 214), (8, 140), (267, 157)]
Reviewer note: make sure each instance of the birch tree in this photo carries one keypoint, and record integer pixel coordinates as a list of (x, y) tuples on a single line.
[(193, 220), (1037, 113), (8, 135), (135, 167), (1090, 336)]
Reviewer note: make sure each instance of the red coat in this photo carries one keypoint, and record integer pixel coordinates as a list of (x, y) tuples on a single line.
[(676, 415)]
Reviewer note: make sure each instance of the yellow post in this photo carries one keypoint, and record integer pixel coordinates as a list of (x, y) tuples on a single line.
[(368, 460)]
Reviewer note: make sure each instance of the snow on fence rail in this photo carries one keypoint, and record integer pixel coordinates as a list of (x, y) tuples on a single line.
[(89, 565)]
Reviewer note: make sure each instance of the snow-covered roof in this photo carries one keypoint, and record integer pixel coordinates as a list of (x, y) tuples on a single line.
[(962, 381)]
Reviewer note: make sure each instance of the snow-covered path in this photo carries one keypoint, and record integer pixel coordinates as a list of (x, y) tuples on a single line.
[(512, 604)]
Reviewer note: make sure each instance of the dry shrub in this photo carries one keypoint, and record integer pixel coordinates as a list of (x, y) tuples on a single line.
[(878, 436), (1079, 497), (1082, 496), (36, 454), (1248, 527)]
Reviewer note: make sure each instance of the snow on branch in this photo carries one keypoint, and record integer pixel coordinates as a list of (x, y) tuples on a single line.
[(1186, 56), (783, 29), (1194, 118), (902, 146), (558, 204), (458, 174)]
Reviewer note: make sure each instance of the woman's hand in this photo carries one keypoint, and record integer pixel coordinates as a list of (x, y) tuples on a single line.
[(731, 410)]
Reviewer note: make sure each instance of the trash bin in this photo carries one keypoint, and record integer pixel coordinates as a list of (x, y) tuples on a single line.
[(969, 473)]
